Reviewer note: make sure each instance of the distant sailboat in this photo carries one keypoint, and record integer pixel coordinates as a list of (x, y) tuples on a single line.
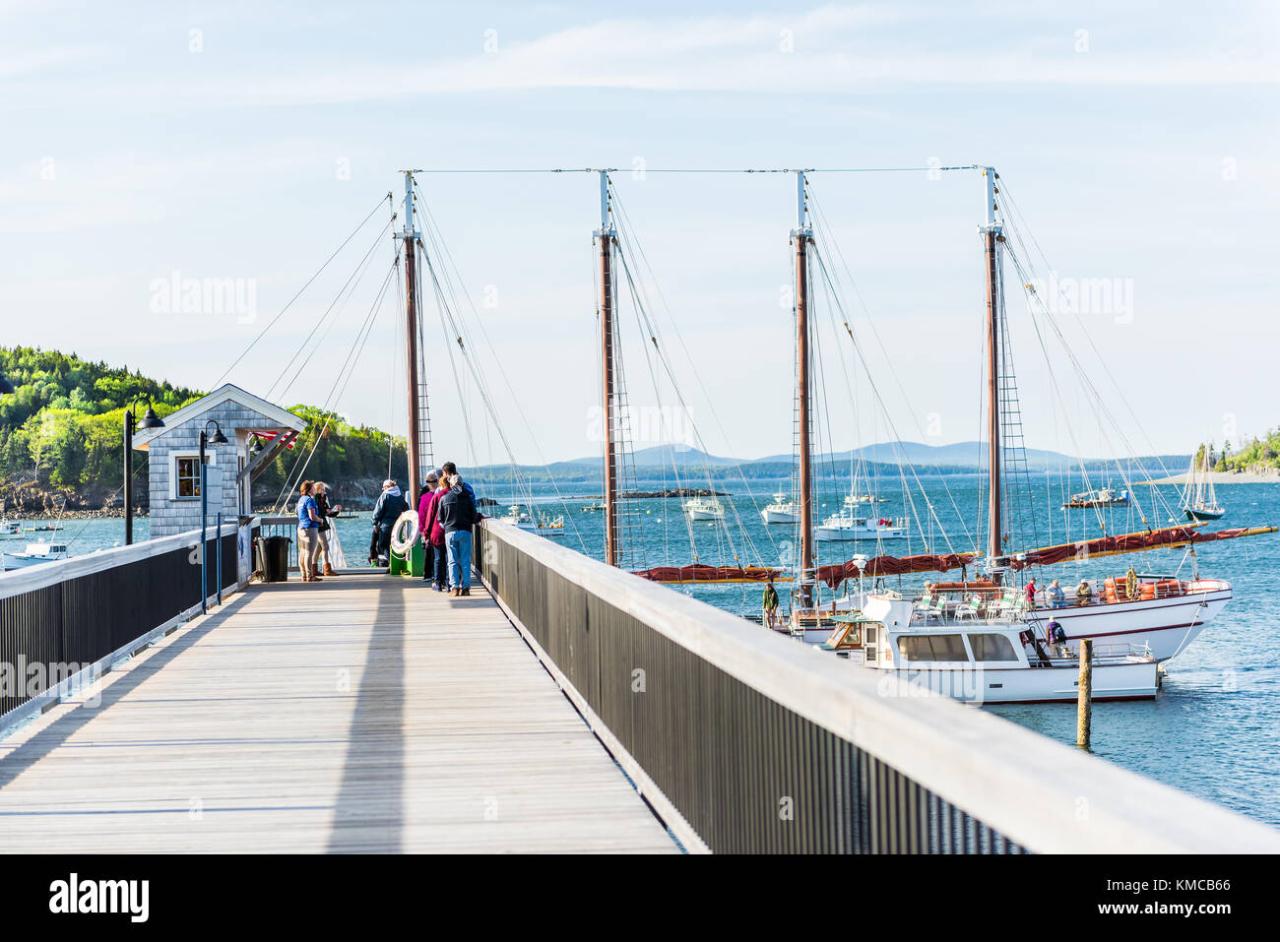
[(1199, 499)]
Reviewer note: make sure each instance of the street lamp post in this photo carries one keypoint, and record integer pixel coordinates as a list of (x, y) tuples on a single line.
[(205, 439), (149, 420)]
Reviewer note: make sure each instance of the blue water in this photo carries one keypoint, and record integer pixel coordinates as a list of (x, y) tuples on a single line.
[(1214, 730)]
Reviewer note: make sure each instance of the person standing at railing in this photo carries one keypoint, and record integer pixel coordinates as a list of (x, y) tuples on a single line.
[(1031, 593), (430, 490), (320, 491), (308, 533), (457, 516), (770, 604)]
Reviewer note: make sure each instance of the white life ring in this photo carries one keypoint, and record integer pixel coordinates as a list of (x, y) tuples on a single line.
[(403, 545)]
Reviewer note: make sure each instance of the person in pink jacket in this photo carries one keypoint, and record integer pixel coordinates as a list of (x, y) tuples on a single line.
[(436, 562)]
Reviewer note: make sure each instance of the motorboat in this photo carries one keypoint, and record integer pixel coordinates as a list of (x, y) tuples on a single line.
[(1102, 497), (986, 662), (781, 510), (34, 554), (844, 526), (703, 508)]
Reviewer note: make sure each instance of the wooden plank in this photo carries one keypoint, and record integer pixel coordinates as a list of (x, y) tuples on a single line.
[(363, 714)]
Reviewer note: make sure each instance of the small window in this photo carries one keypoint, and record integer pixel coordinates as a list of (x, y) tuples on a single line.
[(992, 648), (186, 473), (932, 648)]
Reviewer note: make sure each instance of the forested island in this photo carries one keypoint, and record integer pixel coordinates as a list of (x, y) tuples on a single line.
[(61, 437)]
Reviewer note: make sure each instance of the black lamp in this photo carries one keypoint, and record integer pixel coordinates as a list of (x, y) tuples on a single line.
[(149, 420), (217, 438)]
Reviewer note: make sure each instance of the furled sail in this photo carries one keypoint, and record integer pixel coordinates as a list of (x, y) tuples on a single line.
[(700, 573), (1141, 541), (894, 566)]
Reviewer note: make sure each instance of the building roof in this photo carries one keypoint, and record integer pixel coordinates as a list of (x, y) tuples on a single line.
[(274, 417)]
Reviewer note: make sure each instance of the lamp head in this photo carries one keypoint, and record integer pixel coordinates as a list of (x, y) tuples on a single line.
[(217, 438), (150, 419)]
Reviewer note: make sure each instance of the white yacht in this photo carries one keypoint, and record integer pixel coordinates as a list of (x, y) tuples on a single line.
[(845, 527), (782, 510), (703, 508), (984, 662), (10, 528), (516, 516), (34, 554)]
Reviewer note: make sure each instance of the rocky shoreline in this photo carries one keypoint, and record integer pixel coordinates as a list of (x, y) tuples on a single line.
[(1223, 477)]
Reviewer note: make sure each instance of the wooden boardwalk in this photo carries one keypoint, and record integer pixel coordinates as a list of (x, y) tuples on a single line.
[(366, 713)]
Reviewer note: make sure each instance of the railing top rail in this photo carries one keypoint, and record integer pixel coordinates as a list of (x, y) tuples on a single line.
[(1044, 795), (21, 581)]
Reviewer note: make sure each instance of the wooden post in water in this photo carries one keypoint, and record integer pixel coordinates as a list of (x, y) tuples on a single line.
[(1084, 696), (800, 238), (410, 236), (604, 237)]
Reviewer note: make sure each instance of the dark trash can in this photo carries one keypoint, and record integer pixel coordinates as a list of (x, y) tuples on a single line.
[(275, 558)]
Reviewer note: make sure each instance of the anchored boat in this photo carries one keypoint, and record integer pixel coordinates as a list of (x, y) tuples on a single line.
[(1102, 497), (703, 508), (781, 510), (979, 662), (1199, 498), (34, 554)]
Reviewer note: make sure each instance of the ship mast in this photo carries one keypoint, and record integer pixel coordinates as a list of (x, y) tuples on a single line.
[(801, 236), (991, 237), (410, 237), (604, 239)]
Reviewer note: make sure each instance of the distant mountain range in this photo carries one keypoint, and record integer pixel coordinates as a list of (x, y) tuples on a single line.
[(879, 459)]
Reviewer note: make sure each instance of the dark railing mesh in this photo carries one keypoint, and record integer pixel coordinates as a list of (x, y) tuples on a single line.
[(748, 774), (44, 632)]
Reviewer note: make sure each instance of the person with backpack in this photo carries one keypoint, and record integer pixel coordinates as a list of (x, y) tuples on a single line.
[(391, 504), (457, 515)]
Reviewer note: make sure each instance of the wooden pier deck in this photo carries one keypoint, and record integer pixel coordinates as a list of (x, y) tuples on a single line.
[(363, 714)]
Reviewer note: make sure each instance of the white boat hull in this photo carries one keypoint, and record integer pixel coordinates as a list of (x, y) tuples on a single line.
[(856, 534), (779, 516), (705, 515), (1136, 680), (1165, 626), (19, 561)]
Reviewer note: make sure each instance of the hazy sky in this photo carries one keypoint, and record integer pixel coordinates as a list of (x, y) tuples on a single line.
[(149, 142)]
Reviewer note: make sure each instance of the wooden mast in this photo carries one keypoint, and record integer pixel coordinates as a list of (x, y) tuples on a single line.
[(801, 236), (604, 238), (410, 237), (991, 234)]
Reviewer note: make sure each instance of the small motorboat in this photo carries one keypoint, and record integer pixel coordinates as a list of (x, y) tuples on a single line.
[(781, 510), (10, 528), (703, 508), (982, 662), (1103, 497), (34, 554), (846, 527)]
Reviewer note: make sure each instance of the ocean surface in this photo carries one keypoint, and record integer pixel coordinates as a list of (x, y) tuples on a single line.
[(1214, 730)]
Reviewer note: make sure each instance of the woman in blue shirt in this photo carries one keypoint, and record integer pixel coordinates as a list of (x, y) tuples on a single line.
[(308, 533)]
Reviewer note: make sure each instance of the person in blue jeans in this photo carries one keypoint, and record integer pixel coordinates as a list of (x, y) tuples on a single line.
[(457, 515)]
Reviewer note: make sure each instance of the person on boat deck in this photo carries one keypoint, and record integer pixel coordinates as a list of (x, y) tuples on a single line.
[(320, 491), (308, 533), (1084, 593), (1057, 598), (458, 515), (429, 489), (391, 504), (1031, 592), (1057, 639), (770, 604)]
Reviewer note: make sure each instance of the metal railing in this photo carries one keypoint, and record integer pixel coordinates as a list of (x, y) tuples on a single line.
[(60, 619), (745, 741)]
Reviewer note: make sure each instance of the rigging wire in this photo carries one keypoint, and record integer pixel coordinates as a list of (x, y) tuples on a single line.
[(300, 292)]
